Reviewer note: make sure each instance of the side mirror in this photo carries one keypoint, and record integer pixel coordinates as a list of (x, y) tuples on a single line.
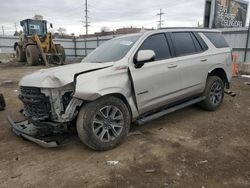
[(144, 56), (51, 25)]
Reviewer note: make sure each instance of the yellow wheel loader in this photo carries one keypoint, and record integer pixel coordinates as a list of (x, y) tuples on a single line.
[(36, 46)]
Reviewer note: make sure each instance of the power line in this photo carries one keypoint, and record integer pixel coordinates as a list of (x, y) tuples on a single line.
[(87, 23), (160, 20)]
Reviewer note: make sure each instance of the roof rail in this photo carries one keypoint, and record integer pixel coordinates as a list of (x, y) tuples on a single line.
[(182, 28)]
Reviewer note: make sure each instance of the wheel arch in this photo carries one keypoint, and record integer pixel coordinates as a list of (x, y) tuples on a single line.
[(129, 102), (220, 72), (123, 98)]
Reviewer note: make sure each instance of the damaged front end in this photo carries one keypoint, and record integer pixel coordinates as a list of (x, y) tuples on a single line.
[(48, 113)]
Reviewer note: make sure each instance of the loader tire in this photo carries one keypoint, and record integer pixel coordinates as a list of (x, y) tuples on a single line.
[(20, 55), (32, 55), (61, 50)]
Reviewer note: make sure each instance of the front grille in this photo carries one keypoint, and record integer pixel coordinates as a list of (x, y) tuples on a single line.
[(36, 104)]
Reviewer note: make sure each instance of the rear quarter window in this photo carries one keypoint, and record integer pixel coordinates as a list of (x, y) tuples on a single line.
[(217, 39)]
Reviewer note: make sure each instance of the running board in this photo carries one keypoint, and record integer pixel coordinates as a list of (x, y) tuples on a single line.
[(169, 110)]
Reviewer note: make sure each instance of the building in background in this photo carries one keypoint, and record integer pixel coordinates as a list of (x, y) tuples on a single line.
[(225, 13), (120, 31)]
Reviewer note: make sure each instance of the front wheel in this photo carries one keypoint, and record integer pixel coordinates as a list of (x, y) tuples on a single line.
[(103, 124), (61, 51), (214, 93), (32, 55)]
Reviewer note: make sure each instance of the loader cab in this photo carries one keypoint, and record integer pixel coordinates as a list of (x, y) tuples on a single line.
[(34, 27)]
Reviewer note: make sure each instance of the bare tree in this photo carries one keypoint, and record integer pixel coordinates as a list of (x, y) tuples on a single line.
[(61, 30), (105, 29)]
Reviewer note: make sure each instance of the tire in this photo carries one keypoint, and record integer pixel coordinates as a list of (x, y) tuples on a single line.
[(214, 93), (20, 55), (32, 55), (95, 119), (61, 50)]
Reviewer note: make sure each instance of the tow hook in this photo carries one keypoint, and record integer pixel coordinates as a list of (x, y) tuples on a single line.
[(230, 93)]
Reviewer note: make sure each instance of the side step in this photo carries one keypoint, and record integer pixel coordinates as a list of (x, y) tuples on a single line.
[(169, 110)]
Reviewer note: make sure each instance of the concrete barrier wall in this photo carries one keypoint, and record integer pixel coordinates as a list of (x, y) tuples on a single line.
[(237, 39)]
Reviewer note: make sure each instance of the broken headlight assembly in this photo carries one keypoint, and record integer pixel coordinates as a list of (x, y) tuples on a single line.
[(49, 104)]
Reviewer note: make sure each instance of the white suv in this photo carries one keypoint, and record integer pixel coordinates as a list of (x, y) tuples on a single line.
[(133, 78)]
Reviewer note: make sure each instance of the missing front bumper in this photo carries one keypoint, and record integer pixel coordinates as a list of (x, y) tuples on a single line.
[(30, 132)]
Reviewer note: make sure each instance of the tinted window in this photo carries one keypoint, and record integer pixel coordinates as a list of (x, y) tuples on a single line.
[(158, 44), (183, 44), (217, 39)]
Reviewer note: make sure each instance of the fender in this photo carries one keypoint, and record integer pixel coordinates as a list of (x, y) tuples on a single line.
[(109, 81)]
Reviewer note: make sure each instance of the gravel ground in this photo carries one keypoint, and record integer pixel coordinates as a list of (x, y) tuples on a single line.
[(189, 148)]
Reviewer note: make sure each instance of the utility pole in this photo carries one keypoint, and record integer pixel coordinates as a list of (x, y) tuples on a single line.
[(247, 42), (86, 17), (160, 21), (3, 29), (15, 27)]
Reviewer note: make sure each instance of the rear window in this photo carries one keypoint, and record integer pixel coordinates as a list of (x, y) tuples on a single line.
[(217, 39), (185, 44)]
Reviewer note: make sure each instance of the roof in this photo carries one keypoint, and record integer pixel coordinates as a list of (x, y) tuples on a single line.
[(188, 29)]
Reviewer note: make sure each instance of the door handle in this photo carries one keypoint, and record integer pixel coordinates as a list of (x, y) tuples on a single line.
[(171, 66), (204, 60)]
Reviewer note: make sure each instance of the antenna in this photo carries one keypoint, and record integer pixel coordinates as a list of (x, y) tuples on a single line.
[(160, 21)]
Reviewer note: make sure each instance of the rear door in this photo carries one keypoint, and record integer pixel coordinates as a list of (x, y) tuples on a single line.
[(192, 61), (158, 81)]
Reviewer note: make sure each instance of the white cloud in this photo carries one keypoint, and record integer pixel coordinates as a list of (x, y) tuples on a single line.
[(112, 14)]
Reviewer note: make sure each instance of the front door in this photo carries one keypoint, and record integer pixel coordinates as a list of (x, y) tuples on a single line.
[(158, 81)]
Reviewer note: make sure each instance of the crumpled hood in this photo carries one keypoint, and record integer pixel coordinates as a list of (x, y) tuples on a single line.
[(59, 76)]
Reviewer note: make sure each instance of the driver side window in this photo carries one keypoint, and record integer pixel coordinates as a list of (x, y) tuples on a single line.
[(157, 43)]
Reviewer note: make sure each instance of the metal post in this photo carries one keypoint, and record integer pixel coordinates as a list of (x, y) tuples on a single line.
[(85, 46), (97, 41), (247, 42), (75, 50), (3, 30)]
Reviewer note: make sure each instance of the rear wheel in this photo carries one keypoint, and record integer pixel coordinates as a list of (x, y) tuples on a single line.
[(61, 51), (214, 93), (104, 123), (20, 55), (32, 55)]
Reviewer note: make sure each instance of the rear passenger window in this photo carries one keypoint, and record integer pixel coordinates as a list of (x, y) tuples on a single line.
[(184, 43), (159, 45), (217, 39)]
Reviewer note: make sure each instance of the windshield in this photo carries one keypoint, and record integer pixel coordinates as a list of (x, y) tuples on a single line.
[(36, 27), (112, 50)]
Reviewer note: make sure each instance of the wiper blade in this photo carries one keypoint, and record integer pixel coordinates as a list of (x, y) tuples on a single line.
[(96, 62)]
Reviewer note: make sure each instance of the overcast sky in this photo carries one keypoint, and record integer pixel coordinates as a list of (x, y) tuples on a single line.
[(110, 13)]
